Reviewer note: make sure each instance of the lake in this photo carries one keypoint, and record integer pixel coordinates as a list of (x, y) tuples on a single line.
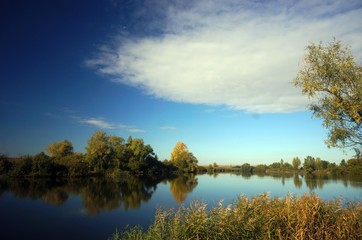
[(94, 208)]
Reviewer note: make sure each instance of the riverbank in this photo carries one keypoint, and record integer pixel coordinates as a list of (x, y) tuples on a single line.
[(264, 169), (260, 217)]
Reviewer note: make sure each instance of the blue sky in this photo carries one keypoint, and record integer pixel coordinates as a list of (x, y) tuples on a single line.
[(214, 74)]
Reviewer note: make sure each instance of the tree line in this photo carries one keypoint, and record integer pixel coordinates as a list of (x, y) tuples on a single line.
[(309, 165), (106, 155)]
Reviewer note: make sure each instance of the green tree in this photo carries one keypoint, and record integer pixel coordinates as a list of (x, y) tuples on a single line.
[(60, 149), (119, 152), (246, 168), (183, 159), (318, 164), (296, 162), (275, 165), (331, 77), (141, 155), (22, 167), (5, 164), (99, 151), (42, 166), (260, 169), (343, 163), (309, 164)]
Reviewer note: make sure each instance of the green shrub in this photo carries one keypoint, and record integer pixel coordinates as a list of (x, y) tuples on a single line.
[(22, 167), (78, 169), (5, 164), (261, 217)]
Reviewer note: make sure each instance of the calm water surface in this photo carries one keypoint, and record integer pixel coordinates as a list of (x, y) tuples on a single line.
[(94, 208)]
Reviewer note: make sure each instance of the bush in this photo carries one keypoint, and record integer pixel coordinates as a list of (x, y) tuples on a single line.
[(78, 169), (21, 167), (42, 166), (5, 164), (261, 217)]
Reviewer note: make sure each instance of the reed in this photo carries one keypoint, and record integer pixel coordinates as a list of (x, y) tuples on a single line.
[(260, 217)]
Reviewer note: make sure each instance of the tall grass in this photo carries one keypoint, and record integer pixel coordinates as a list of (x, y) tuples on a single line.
[(260, 217)]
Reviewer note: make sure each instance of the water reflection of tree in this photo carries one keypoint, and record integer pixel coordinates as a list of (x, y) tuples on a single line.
[(312, 181), (127, 193), (56, 196), (297, 181), (281, 175), (181, 186), (97, 194), (246, 175), (31, 188)]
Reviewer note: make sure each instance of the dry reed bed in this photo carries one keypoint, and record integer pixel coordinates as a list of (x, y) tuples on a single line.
[(260, 217)]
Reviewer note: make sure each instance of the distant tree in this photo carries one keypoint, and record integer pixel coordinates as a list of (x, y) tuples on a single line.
[(99, 151), (60, 149), (119, 153), (325, 164), (318, 164), (332, 78), (287, 166), (78, 169), (42, 166), (5, 164), (296, 162), (183, 159), (22, 167), (309, 164), (281, 164), (210, 168), (343, 163), (215, 165), (246, 168), (354, 162), (275, 165), (260, 169), (141, 155)]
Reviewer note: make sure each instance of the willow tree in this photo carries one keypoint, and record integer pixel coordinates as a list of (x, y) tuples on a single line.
[(331, 77), (183, 159)]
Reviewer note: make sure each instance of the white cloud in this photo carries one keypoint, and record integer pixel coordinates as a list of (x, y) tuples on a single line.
[(240, 54), (97, 122), (103, 124), (136, 130)]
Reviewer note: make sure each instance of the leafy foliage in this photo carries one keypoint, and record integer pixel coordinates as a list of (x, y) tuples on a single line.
[(246, 168), (183, 159), (5, 164), (106, 155), (99, 151), (333, 79), (60, 149), (296, 162)]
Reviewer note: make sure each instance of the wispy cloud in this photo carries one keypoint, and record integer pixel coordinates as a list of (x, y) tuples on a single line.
[(168, 128), (239, 54), (136, 130), (103, 124), (97, 122)]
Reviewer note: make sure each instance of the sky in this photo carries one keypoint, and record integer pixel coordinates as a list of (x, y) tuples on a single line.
[(214, 74)]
